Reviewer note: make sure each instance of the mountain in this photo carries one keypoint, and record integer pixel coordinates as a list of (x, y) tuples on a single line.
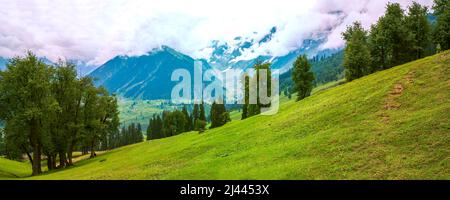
[(2, 63), (148, 76), (392, 124), (326, 68), (226, 55), (144, 77), (83, 68)]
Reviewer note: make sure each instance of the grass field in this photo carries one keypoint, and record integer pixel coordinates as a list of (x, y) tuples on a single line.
[(394, 124)]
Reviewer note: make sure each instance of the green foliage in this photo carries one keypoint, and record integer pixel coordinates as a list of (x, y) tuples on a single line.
[(126, 136), (48, 110), (171, 123), (343, 132), (442, 30), (303, 77), (245, 83), (2, 143), (200, 126), (26, 93), (357, 54), (418, 25), (249, 108), (219, 115)]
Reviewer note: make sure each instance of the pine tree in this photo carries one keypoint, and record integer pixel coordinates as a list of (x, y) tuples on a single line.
[(255, 109), (150, 128), (303, 77), (202, 114), (195, 115), (246, 83), (188, 124)]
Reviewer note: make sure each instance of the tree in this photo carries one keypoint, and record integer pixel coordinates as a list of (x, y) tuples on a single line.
[(357, 55), (418, 25), (219, 115), (76, 123), (2, 143), (202, 114), (396, 33), (379, 48), (26, 92), (442, 30), (252, 109), (151, 126), (195, 115), (303, 77), (64, 90), (246, 83), (188, 125)]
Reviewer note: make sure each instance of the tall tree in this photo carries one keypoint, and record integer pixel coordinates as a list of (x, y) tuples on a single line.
[(357, 54), (202, 114), (246, 83), (195, 115), (396, 33), (151, 126), (442, 31), (303, 77), (188, 125), (255, 108), (418, 25), (26, 91), (64, 90), (379, 48), (219, 115)]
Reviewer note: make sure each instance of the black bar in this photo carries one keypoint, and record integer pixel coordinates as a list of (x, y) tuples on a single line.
[(273, 190)]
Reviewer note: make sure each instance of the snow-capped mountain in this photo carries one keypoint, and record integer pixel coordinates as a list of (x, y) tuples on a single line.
[(144, 77)]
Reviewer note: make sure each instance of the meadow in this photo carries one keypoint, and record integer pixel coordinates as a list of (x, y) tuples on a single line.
[(393, 124)]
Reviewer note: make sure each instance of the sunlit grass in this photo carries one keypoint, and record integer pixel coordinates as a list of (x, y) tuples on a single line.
[(344, 132)]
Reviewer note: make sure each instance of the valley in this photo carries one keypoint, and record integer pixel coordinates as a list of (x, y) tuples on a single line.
[(306, 139)]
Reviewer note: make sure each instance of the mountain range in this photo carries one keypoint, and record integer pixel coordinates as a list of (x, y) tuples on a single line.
[(148, 76)]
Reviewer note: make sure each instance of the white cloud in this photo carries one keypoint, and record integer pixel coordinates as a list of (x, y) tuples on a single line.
[(96, 30)]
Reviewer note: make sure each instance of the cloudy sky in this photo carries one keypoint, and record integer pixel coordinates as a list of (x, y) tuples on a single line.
[(97, 30)]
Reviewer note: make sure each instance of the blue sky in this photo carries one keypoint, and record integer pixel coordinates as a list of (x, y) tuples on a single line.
[(97, 30)]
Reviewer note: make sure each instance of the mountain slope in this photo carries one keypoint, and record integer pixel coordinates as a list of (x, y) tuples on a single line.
[(143, 77), (2, 63), (393, 124), (11, 169)]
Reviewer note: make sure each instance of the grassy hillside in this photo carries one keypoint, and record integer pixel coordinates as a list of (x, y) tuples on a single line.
[(11, 169), (394, 124)]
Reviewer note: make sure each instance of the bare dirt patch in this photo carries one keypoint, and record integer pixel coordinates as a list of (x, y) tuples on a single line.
[(391, 102)]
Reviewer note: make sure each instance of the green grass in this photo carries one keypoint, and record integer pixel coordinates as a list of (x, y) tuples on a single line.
[(345, 132), (12, 169)]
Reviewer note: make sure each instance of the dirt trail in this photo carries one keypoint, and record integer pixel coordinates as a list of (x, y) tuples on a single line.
[(391, 102)]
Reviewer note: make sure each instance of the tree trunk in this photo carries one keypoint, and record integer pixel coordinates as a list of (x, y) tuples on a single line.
[(36, 164), (36, 145), (62, 159), (93, 154), (28, 153), (51, 162), (69, 153)]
